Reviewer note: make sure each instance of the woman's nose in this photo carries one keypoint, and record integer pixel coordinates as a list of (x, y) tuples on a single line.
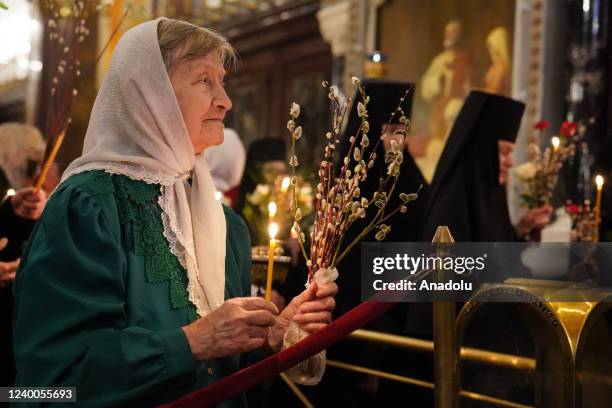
[(223, 101)]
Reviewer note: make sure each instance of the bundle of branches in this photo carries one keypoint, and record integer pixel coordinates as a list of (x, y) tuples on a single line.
[(339, 202)]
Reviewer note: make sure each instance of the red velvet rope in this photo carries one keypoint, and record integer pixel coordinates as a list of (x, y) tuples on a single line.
[(248, 377)]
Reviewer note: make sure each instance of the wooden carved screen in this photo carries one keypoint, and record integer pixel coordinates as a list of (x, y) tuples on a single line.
[(284, 59)]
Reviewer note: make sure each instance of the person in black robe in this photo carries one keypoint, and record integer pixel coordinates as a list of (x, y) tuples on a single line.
[(466, 194)]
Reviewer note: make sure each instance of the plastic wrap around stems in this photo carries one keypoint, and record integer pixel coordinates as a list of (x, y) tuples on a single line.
[(309, 371)]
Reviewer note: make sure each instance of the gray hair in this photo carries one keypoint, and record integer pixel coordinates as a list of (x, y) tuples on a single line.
[(195, 41), (18, 144)]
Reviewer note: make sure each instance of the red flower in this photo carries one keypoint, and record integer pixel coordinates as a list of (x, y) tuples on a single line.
[(541, 125), (568, 129), (572, 209)]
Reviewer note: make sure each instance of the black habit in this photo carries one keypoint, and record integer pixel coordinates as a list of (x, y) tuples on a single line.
[(465, 192)]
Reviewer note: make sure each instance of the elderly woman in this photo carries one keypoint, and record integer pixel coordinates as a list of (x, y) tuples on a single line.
[(134, 286)]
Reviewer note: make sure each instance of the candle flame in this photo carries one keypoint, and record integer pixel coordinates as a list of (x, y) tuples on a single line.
[(272, 208), (10, 192), (555, 142), (599, 180), (285, 183), (273, 230)]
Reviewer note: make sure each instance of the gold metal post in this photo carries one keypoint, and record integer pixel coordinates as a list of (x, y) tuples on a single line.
[(446, 391), (298, 393)]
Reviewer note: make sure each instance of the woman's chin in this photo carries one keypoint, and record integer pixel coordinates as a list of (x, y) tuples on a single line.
[(214, 139), (217, 139)]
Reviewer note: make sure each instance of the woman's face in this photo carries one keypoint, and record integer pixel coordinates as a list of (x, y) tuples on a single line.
[(505, 160), (199, 89)]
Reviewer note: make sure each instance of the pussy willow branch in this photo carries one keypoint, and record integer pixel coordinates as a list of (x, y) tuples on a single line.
[(328, 216), (127, 11), (325, 241), (367, 229), (342, 177), (399, 207), (62, 100), (294, 199), (336, 259)]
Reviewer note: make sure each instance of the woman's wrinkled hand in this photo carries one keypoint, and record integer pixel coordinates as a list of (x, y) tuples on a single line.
[(311, 309), (29, 203), (8, 270), (237, 326)]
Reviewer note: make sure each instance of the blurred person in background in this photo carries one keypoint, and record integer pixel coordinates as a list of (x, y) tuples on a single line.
[(21, 150), (226, 163)]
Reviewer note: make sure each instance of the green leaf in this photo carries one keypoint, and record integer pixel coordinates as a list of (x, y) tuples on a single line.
[(3, 5)]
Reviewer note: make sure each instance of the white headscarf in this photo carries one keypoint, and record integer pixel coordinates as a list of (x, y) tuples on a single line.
[(136, 129), (226, 161)]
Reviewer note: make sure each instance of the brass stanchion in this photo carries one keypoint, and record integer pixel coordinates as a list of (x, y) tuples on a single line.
[(298, 393), (446, 391), (467, 353)]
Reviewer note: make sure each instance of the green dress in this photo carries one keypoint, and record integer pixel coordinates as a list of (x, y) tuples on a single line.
[(100, 300)]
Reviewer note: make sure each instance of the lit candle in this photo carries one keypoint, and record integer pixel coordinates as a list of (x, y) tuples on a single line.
[(48, 161), (285, 184), (599, 181), (272, 230), (9, 193), (555, 143), (272, 209)]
